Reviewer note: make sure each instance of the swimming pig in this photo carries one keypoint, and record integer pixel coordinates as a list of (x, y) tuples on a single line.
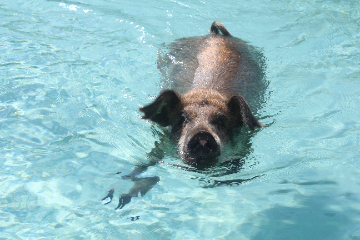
[(209, 80), (205, 104)]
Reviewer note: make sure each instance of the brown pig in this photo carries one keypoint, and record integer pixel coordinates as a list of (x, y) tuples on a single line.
[(209, 77), (210, 81)]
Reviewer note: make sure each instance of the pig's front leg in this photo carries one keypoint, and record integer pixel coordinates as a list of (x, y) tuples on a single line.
[(141, 185)]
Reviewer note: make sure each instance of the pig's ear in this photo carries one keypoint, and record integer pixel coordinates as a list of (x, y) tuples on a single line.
[(163, 109), (241, 111)]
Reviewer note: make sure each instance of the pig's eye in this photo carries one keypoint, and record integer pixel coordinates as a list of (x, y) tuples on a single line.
[(183, 119), (179, 124), (219, 121)]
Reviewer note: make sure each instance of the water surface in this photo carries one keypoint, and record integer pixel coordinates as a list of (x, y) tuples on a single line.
[(74, 73)]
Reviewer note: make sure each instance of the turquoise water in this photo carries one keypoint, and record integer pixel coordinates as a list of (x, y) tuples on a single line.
[(74, 73)]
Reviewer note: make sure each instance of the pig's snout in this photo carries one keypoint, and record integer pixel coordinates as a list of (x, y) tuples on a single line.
[(203, 144)]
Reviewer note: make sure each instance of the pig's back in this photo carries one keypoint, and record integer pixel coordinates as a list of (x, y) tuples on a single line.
[(224, 63)]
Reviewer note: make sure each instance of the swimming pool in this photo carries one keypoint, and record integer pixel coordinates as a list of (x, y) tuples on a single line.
[(74, 73)]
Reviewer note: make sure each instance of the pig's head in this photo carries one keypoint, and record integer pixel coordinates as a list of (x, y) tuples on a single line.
[(201, 122)]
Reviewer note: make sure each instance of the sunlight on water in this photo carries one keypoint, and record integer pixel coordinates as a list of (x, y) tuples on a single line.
[(74, 74)]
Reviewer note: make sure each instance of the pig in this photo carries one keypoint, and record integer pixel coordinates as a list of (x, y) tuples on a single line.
[(210, 81)]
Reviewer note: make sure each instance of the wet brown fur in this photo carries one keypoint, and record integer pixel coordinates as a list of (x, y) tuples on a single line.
[(208, 77), (204, 96)]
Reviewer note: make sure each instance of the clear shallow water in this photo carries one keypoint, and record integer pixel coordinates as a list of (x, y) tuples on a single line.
[(73, 75)]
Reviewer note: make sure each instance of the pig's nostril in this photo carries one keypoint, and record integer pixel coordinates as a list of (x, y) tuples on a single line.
[(203, 142)]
